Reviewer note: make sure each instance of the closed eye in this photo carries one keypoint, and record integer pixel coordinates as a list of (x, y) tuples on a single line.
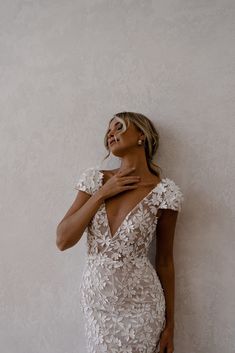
[(120, 126)]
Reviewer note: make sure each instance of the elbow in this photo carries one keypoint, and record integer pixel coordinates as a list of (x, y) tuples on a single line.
[(60, 246), (65, 237), (60, 238)]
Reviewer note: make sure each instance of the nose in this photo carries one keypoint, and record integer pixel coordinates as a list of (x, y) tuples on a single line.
[(110, 134)]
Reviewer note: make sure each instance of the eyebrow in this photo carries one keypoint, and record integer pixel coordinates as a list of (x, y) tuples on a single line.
[(118, 122)]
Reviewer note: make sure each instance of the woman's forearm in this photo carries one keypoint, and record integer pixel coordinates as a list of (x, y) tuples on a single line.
[(70, 230), (167, 277)]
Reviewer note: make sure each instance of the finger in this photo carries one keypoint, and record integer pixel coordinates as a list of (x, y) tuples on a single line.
[(127, 182), (130, 179), (128, 187)]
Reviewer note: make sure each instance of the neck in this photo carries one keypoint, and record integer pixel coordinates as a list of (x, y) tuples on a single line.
[(137, 161)]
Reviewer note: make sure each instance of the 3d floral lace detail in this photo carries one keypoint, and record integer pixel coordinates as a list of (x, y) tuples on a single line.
[(89, 180), (173, 198), (122, 298)]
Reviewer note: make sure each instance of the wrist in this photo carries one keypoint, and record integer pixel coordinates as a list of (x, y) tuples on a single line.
[(99, 196)]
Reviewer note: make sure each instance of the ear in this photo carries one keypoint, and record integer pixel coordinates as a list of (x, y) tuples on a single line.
[(141, 134)]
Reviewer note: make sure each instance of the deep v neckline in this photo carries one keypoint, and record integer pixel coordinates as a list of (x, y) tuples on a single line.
[(130, 212)]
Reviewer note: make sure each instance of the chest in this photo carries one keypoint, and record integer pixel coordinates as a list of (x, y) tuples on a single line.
[(118, 207)]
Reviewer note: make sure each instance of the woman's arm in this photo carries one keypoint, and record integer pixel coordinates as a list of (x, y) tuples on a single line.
[(70, 229), (72, 226), (164, 260)]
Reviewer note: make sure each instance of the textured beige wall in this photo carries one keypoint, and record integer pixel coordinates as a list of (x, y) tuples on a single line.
[(66, 67)]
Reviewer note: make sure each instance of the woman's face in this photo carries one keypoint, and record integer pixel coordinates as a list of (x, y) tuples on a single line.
[(121, 139)]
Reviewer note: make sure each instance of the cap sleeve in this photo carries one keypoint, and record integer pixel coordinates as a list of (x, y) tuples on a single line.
[(173, 196), (88, 180)]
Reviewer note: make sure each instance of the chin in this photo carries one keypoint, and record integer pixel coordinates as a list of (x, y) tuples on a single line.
[(117, 152)]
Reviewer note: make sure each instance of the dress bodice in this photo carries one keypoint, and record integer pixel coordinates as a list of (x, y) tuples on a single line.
[(134, 235)]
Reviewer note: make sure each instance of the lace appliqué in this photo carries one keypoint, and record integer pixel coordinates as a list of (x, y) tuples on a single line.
[(122, 298), (173, 197), (88, 180)]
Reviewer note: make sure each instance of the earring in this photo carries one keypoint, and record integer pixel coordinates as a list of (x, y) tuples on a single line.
[(139, 142)]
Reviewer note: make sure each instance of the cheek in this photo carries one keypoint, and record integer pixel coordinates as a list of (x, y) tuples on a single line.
[(127, 139), (128, 136)]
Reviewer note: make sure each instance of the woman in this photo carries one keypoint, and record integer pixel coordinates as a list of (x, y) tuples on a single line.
[(127, 305)]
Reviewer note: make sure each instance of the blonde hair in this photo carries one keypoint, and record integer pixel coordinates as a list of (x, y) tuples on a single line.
[(145, 125)]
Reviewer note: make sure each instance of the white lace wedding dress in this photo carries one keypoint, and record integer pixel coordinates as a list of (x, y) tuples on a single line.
[(121, 295)]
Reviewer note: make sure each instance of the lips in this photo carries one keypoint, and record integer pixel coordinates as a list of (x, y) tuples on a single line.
[(112, 141)]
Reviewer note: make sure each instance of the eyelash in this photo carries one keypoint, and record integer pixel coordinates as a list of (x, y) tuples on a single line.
[(118, 128)]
